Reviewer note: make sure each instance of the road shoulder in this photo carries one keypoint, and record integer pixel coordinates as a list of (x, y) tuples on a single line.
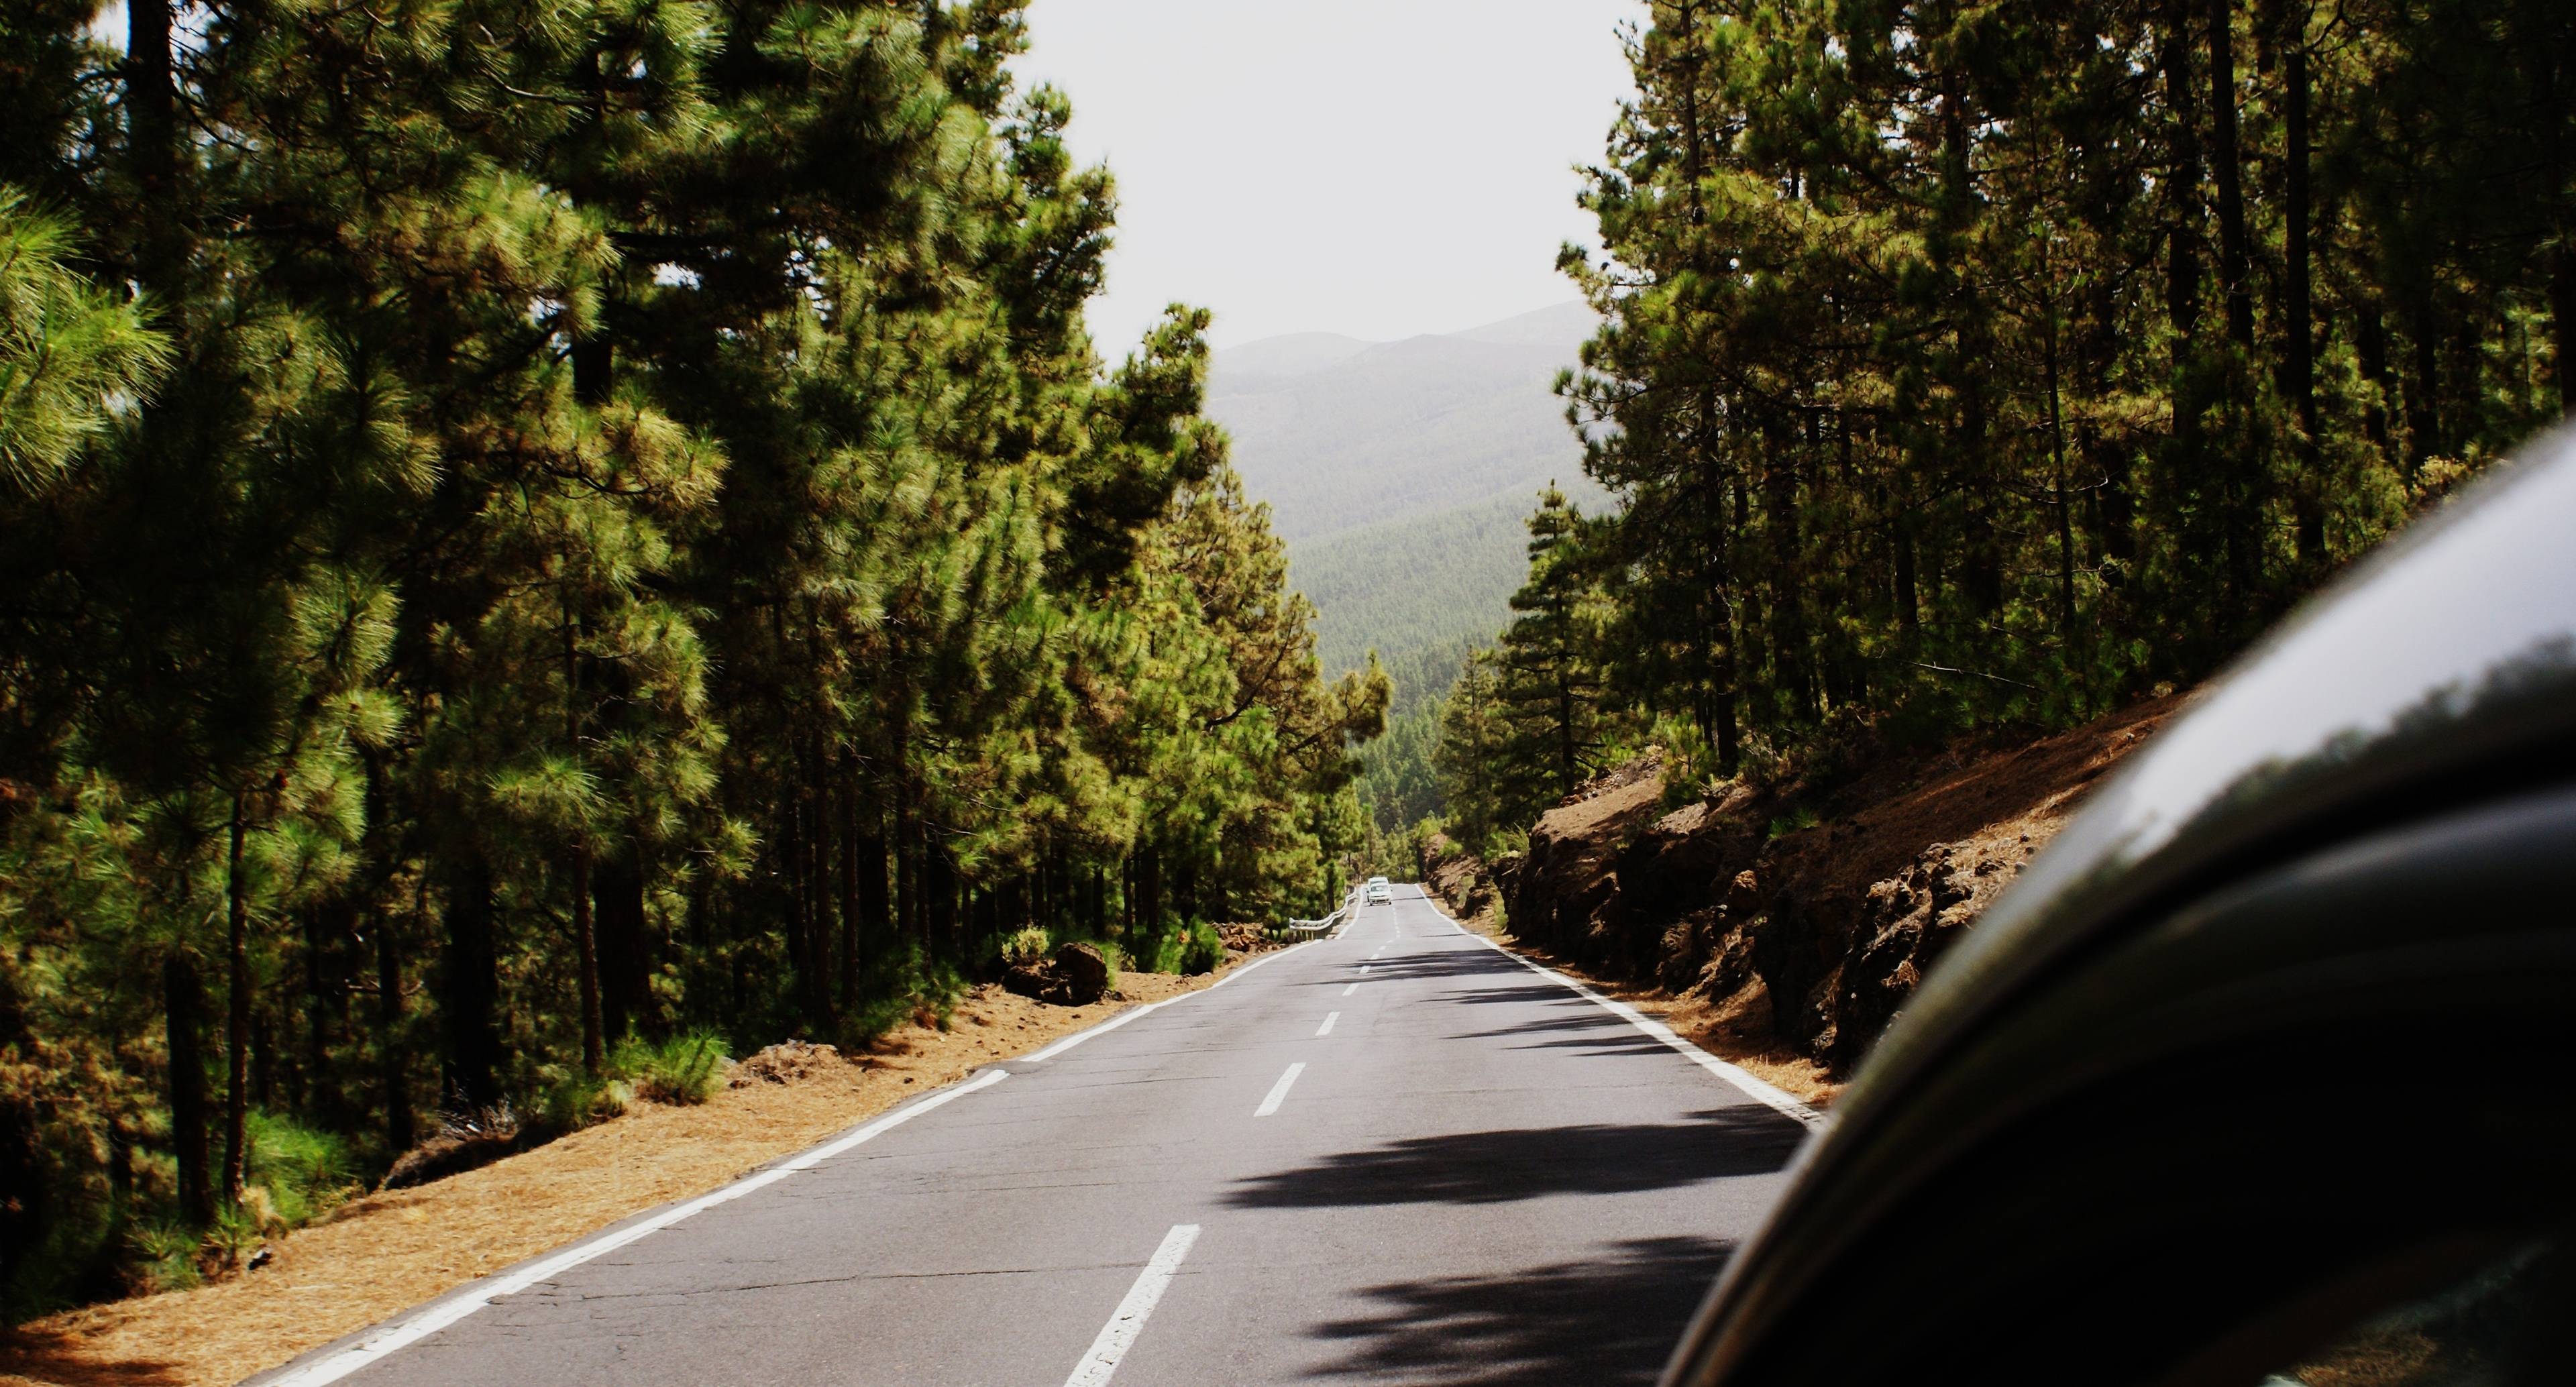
[(399, 1249), (1726, 1029)]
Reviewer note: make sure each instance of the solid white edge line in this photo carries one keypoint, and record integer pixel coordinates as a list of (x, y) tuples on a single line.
[(1239, 972), (467, 1299), (1088, 1032), (472, 1297), (1279, 1090), (1762, 1092), (1133, 1013), (1120, 1333), (1327, 1028)]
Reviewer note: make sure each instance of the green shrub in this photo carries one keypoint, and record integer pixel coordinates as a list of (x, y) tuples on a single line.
[(678, 1071), (1201, 949), (238, 1231), (578, 1100), (861, 1026), (306, 1172), (1031, 945), (166, 1254), (901, 986), (1786, 824)]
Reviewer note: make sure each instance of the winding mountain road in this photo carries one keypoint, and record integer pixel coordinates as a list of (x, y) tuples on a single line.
[(1395, 1155)]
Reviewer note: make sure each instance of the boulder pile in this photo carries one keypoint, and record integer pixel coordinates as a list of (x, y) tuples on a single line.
[(782, 1063), (1076, 977)]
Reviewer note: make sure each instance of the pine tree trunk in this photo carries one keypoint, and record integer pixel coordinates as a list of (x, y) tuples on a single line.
[(263, 1055), (2239, 485), (1909, 606), (2227, 162), (152, 104), (625, 968), (2370, 348), (2182, 246), (820, 896), (329, 931), (237, 1007), (469, 987), (2552, 59), (2423, 410), (2067, 630), (873, 896), (912, 920), (585, 937), (1149, 888), (389, 1044), (848, 796), (183, 1001), (939, 895), (2562, 322), (594, 1056), (2187, 459), (2310, 496), (1788, 614)]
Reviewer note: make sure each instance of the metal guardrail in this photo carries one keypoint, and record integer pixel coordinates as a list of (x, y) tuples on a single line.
[(1302, 930)]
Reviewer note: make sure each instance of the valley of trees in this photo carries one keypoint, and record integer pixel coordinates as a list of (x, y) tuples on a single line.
[(533, 525), (1970, 367)]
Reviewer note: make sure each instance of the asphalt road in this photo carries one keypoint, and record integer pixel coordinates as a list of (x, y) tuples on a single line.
[(1397, 1155)]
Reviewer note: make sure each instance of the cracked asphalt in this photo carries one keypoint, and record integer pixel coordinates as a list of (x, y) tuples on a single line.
[(1478, 1176)]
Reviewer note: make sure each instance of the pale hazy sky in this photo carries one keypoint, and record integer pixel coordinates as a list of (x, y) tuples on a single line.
[(1379, 168)]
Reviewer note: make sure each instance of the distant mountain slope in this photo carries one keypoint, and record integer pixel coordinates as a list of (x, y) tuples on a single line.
[(1401, 474), (1338, 434)]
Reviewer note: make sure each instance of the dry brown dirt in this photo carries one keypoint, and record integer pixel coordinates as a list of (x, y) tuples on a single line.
[(1782, 948), (385, 1253)]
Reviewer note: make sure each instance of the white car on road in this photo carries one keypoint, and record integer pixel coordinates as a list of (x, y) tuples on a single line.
[(1380, 891)]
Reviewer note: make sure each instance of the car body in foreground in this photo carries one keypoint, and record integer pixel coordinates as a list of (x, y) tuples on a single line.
[(2261, 1073)]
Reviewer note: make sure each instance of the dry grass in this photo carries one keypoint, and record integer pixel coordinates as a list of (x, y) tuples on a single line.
[(390, 1251)]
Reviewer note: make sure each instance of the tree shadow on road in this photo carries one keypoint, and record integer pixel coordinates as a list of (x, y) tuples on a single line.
[(1451, 964), (1525, 1163), (1583, 1028), (1612, 1318)]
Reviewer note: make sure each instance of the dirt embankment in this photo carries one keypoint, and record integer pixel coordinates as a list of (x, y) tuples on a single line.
[(394, 1249), (1785, 929)]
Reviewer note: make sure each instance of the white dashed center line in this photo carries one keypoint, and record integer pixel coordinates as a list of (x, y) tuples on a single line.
[(1096, 1366), (1279, 1090), (1327, 1028)]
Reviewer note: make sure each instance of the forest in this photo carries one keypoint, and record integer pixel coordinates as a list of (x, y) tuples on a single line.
[(1979, 367), (531, 529)]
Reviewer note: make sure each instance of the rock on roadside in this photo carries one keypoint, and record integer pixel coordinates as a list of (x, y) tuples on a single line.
[(782, 1063), (1076, 977)]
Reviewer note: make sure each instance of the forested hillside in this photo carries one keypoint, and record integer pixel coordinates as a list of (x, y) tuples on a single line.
[(1413, 584), (538, 528), (1968, 368), (1400, 472)]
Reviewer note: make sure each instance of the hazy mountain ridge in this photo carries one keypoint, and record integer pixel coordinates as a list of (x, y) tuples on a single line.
[(1338, 434)]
